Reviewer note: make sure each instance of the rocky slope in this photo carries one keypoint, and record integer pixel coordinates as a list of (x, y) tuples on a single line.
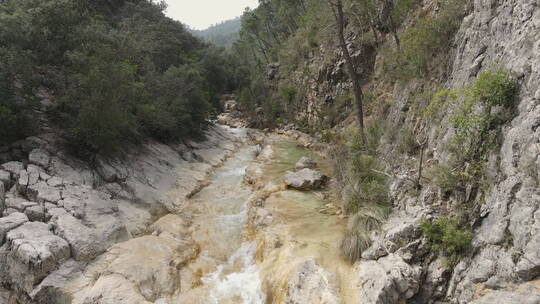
[(112, 232), (503, 264)]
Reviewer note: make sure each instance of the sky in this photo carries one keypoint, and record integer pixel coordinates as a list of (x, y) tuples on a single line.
[(200, 14)]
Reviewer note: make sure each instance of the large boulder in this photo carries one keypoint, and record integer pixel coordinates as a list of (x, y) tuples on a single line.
[(305, 179), (41, 192), (310, 283), (387, 281), (88, 240), (30, 253)]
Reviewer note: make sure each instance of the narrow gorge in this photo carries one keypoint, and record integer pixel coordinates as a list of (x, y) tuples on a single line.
[(306, 152)]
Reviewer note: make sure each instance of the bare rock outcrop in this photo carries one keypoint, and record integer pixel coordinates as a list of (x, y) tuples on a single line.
[(305, 179), (304, 163), (309, 283), (387, 280), (29, 254), (64, 222)]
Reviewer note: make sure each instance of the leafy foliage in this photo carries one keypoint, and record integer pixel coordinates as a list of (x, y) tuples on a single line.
[(424, 45), (369, 203), (444, 234), (120, 71), (476, 126)]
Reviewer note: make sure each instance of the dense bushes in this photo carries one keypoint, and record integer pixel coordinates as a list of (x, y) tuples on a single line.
[(483, 108), (424, 46), (446, 235), (118, 71), (361, 172), (15, 121)]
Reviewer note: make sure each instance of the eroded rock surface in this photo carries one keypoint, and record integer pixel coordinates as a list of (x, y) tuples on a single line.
[(71, 234), (305, 179), (387, 280), (309, 283), (304, 163)]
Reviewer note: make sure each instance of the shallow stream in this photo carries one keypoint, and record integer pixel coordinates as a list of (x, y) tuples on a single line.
[(228, 270)]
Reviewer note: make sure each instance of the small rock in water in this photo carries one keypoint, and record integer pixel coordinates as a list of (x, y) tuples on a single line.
[(305, 179), (305, 162), (330, 209)]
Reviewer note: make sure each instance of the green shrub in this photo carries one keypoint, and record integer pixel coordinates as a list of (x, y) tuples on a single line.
[(475, 125), (449, 180), (15, 122), (373, 132), (354, 242), (494, 88), (407, 141), (445, 235), (111, 81), (439, 103), (102, 100), (424, 45), (357, 238), (370, 200)]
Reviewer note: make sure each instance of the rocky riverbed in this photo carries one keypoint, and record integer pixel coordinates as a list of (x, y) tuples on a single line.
[(212, 222), (113, 232)]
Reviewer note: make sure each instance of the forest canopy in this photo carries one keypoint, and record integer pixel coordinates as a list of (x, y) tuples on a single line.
[(105, 73)]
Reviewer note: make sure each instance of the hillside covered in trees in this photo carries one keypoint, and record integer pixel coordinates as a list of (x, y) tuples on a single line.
[(223, 34), (104, 73)]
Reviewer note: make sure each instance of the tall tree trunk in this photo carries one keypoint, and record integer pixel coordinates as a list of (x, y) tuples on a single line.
[(337, 8)]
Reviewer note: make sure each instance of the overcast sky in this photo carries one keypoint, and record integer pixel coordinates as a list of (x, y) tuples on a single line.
[(200, 14)]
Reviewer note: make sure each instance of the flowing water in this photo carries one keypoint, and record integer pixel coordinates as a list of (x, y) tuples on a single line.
[(227, 269), (226, 265)]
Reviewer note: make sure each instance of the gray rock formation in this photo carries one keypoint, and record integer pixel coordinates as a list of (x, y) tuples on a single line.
[(388, 280), (305, 179), (30, 253), (304, 163), (65, 222), (309, 283)]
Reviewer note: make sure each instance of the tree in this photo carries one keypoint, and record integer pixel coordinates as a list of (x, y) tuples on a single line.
[(337, 10)]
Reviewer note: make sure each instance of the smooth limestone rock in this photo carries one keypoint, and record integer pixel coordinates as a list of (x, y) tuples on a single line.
[(36, 213), (41, 192), (148, 265), (11, 222), (39, 157), (310, 283), (304, 163), (388, 280), (88, 240), (89, 221), (51, 289), (172, 225), (305, 179), (14, 168), (30, 253)]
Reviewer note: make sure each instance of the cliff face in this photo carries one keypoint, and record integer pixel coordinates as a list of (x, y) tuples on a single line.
[(507, 242), (503, 263)]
